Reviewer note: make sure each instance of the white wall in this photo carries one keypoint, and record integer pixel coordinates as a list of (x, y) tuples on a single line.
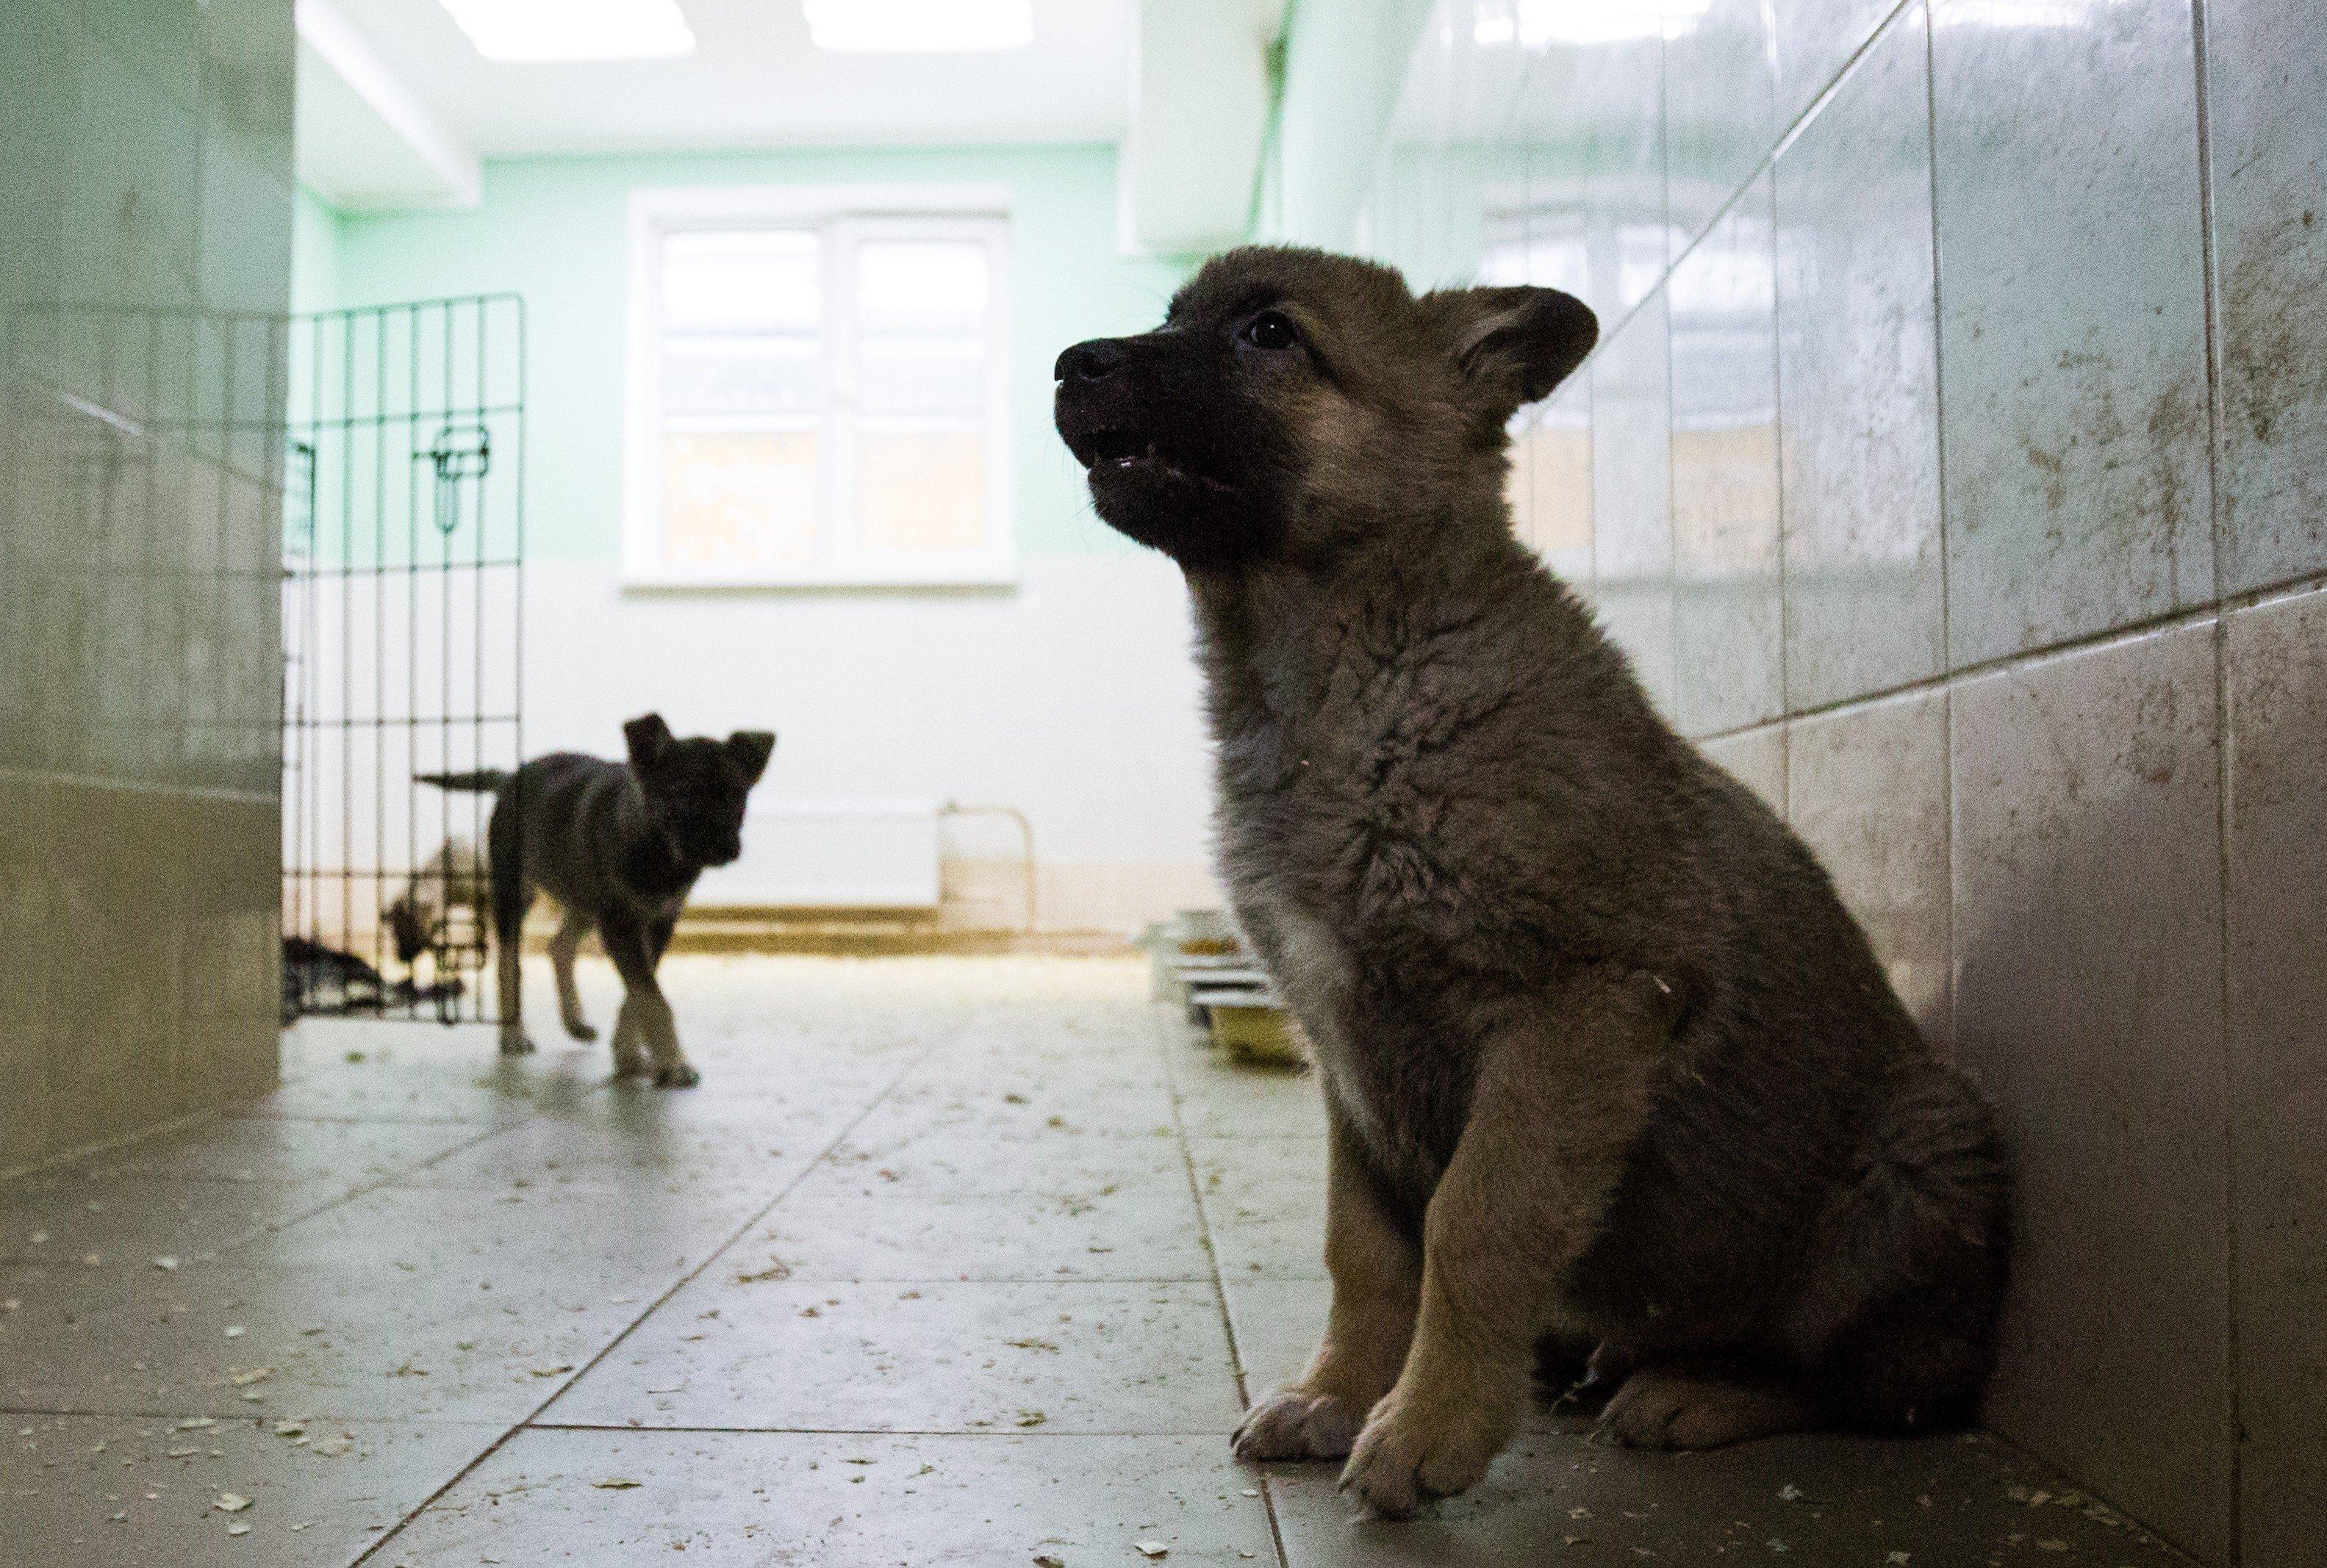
[(1073, 698)]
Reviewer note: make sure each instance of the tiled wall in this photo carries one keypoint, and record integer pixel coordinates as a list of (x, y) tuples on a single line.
[(1953, 466), (144, 238)]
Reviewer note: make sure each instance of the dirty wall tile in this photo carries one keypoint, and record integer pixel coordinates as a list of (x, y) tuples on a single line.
[(1632, 491), (1720, 108), (1858, 385), (2277, 907), (1757, 759), (1551, 473), (1615, 88), (1868, 790), (1728, 655), (2088, 998), (1815, 39), (2266, 122), (2072, 321)]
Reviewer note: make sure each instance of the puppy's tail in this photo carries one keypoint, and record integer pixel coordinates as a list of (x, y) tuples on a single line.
[(477, 781)]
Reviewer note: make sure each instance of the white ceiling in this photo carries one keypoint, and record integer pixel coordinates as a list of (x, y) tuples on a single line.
[(756, 81)]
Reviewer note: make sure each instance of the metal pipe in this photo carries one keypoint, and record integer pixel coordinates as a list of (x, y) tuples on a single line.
[(1026, 831)]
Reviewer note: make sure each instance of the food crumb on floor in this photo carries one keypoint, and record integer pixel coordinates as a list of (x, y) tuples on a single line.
[(1033, 1243)]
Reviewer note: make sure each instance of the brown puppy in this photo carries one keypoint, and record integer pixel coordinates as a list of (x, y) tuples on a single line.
[(1606, 1063)]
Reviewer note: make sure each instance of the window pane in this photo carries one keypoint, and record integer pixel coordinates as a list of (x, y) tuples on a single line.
[(922, 326), (922, 375), (742, 281), (920, 490), (771, 375), (738, 499), (921, 286)]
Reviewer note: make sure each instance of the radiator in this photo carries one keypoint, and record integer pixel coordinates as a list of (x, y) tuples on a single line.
[(830, 854)]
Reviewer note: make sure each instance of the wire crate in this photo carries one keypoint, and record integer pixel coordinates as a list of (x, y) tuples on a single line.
[(402, 618)]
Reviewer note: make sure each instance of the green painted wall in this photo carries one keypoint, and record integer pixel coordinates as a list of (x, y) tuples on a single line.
[(556, 230), (314, 253)]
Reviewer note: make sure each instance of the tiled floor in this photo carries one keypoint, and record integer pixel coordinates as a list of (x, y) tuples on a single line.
[(947, 1262)]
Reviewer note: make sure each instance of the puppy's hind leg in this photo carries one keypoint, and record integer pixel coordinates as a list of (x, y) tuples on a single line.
[(562, 949), (512, 901), (1890, 1322), (1707, 1406), (1897, 1311)]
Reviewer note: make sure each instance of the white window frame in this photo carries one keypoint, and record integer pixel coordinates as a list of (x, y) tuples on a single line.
[(846, 211)]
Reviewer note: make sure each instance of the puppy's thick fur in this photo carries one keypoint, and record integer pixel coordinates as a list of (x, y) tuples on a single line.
[(1607, 1066), (619, 845)]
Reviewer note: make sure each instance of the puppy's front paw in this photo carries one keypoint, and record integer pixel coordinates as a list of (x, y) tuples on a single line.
[(1415, 1448), (677, 1075), (580, 1030), (1298, 1422), (515, 1042)]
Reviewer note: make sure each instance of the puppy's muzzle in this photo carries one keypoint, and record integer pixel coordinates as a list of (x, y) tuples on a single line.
[(1096, 359), (1094, 410)]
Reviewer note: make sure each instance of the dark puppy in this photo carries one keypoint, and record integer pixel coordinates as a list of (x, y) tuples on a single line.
[(1606, 1062), (618, 846)]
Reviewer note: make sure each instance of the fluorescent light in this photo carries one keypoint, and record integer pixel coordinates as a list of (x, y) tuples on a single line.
[(919, 26), (542, 31)]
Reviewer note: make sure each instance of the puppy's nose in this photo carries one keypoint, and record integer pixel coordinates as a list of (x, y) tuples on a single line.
[(1095, 360)]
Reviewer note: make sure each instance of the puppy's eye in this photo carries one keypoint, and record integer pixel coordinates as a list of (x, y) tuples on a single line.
[(1271, 330)]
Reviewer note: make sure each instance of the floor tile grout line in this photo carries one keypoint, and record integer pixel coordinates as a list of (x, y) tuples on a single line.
[(366, 1188), (1164, 1034), (330, 1417), (2037, 1464), (65, 1160), (309, 1417), (494, 1447), (220, 1254), (955, 1280), (276, 1227), (222, 1111), (995, 1434)]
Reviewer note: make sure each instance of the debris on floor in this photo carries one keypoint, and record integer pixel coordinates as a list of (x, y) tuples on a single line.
[(999, 1302)]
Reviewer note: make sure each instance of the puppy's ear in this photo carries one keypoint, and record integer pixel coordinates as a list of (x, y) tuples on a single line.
[(750, 748), (649, 738), (1512, 345)]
